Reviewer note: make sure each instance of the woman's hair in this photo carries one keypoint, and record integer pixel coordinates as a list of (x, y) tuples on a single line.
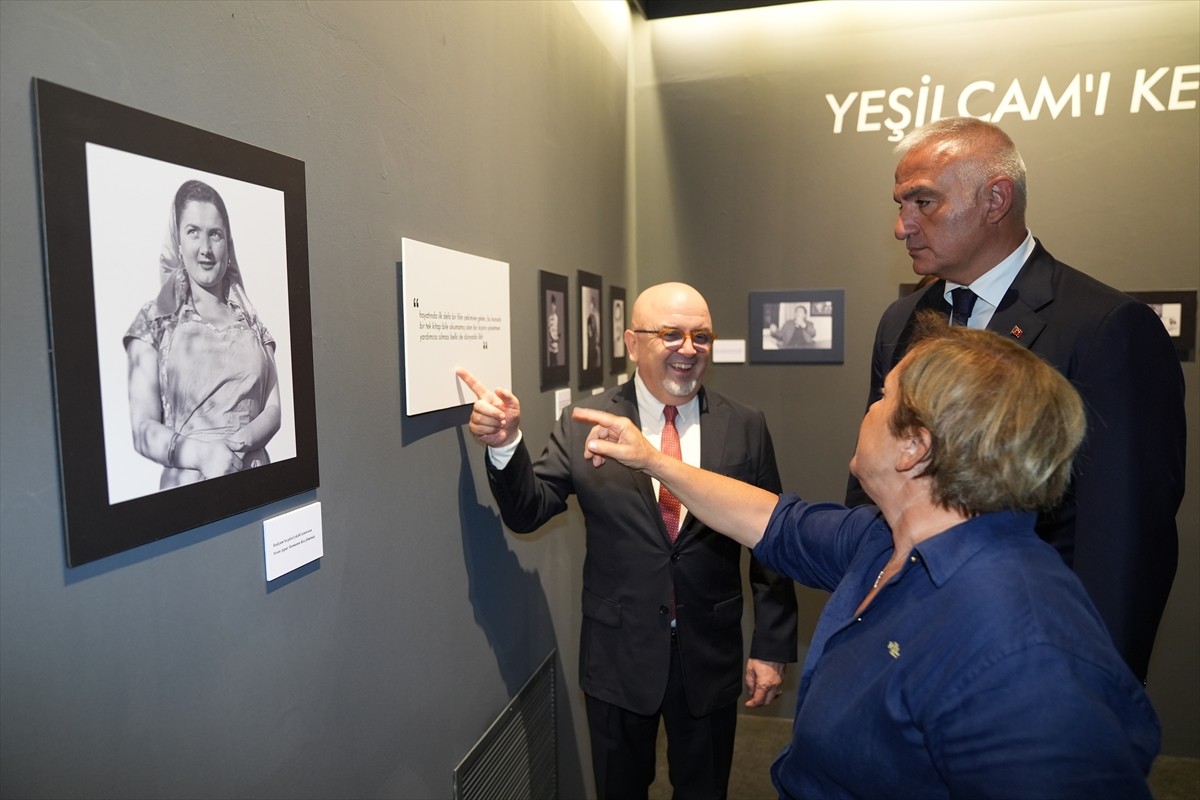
[(194, 191), (175, 289), (1004, 424)]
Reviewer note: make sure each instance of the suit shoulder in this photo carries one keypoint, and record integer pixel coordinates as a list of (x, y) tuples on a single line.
[(605, 400), (900, 310), (1087, 297), (717, 401), (1081, 285)]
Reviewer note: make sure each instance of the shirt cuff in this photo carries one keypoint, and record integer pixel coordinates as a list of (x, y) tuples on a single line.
[(500, 456)]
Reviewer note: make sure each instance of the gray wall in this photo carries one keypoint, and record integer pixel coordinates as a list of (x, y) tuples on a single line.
[(498, 129), (173, 670), (743, 185)]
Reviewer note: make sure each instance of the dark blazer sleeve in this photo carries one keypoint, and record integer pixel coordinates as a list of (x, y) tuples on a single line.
[(775, 615), (1116, 525), (526, 500), (1128, 476)]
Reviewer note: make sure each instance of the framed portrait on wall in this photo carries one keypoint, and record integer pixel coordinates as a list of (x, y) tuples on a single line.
[(591, 331), (797, 327), (177, 275), (552, 301), (616, 307)]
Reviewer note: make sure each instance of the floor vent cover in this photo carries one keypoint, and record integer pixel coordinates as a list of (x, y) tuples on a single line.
[(517, 756)]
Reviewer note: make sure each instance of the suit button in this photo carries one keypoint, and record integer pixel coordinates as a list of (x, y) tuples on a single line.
[(664, 610), (674, 557)]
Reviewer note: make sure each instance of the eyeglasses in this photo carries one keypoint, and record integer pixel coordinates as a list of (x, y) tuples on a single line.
[(673, 338)]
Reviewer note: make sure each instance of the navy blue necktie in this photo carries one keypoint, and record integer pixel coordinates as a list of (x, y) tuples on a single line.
[(963, 300)]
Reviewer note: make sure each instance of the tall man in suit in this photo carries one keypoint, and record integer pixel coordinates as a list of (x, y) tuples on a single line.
[(961, 189), (662, 608)]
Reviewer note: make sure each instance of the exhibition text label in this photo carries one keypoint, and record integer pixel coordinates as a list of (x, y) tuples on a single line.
[(899, 109)]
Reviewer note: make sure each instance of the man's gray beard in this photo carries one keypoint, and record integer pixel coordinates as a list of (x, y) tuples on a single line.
[(681, 388)]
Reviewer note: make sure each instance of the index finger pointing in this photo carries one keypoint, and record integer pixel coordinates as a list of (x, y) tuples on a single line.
[(594, 416), (472, 383)]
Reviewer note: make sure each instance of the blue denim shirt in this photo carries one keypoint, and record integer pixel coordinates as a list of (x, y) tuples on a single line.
[(980, 670)]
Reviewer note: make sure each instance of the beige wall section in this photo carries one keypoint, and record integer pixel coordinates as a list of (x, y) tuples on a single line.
[(741, 185)]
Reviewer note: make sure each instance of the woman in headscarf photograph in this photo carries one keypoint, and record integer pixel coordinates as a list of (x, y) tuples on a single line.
[(203, 387)]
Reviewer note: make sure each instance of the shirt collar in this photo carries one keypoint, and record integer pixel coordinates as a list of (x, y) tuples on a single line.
[(992, 285), (650, 409), (946, 553)]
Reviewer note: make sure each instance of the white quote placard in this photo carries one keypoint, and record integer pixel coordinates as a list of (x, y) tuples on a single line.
[(562, 399), (455, 315), (729, 351), (292, 540)]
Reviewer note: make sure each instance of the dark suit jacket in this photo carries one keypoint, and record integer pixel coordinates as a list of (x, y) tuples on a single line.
[(1116, 524), (630, 566)]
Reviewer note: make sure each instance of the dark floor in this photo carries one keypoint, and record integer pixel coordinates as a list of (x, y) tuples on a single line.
[(760, 738)]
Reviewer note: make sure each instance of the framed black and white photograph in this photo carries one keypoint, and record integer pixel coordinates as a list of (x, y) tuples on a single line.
[(616, 306), (556, 361), (177, 274), (591, 332), (797, 327), (1177, 310)]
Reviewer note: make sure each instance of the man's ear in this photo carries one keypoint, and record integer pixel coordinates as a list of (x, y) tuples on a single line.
[(631, 345), (1000, 193), (914, 450)]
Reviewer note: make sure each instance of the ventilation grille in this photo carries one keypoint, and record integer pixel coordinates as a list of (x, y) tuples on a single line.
[(517, 756)]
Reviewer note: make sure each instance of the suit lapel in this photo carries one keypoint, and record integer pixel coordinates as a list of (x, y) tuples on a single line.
[(1017, 317), (624, 404), (932, 297), (714, 425)]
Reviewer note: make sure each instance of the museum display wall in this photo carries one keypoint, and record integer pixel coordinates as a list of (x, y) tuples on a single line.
[(558, 137)]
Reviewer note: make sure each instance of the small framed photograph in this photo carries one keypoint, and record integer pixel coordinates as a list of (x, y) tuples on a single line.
[(552, 300), (183, 370), (591, 331), (797, 327), (616, 305), (1177, 310)]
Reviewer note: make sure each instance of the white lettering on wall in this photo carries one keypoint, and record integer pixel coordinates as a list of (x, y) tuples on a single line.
[(902, 108)]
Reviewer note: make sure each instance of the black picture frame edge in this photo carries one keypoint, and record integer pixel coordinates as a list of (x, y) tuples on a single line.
[(756, 354), (555, 377), (66, 121), (618, 364), (594, 375), (1185, 342)]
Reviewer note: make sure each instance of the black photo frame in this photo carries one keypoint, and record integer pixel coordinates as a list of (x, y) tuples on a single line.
[(555, 322), (619, 314), (776, 338), (1177, 310), (97, 158), (591, 331)]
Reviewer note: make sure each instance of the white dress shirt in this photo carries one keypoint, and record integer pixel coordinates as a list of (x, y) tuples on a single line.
[(992, 285)]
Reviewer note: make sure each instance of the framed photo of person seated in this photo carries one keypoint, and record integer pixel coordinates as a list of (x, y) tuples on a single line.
[(797, 327)]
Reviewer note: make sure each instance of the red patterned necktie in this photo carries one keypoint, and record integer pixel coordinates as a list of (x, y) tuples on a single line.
[(667, 504)]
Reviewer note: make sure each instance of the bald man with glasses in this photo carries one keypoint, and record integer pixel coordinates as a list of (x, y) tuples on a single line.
[(662, 593)]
